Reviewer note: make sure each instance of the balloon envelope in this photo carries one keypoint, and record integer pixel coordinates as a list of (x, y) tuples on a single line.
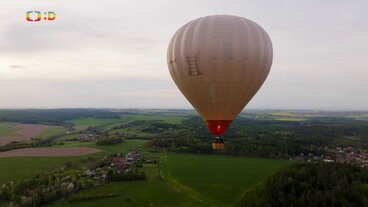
[(219, 63)]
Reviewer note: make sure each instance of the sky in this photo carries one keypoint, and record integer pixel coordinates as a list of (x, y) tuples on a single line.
[(112, 53)]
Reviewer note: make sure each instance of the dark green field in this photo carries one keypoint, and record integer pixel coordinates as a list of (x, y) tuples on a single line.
[(16, 168), (6, 129), (217, 179), (187, 180)]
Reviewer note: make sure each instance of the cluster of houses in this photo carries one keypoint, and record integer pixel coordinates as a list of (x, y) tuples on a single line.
[(348, 155), (338, 154), (86, 137), (118, 163), (57, 184)]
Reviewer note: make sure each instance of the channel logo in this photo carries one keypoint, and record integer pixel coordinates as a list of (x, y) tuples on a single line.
[(36, 16)]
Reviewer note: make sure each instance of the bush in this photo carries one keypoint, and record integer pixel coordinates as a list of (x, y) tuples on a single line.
[(109, 140)]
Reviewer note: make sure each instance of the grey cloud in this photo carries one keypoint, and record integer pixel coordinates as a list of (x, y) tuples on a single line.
[(17, 66), (320, 50)]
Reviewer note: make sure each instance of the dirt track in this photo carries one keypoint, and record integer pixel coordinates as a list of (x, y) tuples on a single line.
[(49, 152)]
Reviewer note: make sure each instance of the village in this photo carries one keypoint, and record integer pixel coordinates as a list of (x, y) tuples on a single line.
[(117, 167), (59, 184), (338, 154)]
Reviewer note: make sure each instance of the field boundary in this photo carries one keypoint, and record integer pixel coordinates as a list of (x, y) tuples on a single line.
[(50, 152), (166, 176)]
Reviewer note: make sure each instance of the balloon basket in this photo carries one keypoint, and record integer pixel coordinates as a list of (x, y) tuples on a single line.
[(218, 144)]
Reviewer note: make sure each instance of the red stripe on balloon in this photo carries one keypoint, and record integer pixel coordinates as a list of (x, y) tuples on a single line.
[(218, 127)]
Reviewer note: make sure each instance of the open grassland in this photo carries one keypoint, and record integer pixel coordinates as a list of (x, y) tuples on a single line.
[(110, 149), (216, 179), (49, 152), (120, 124), (287, 116), (52, 131), (285, 113), (17, 168), (7, 129), (363, 117), (165, 118), (83, 123), (136, 130)]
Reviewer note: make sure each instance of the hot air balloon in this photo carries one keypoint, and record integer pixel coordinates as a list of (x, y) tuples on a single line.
[(219, 63)]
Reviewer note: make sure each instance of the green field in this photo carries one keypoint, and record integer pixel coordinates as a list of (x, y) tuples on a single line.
[(83, 123), (16, 168), (6, 129), (52, 131), (136, 131), (187, 180), (121, 147), (164, 118), (217, 179), (290, 119)]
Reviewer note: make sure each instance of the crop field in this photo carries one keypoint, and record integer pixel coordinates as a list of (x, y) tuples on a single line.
[(16, 168), (83, 123), (215, 179), (136, 131), (49, 152), (52, 131), (285, 118), (165, 118), (6, 129), (19, 132), (121, 147)]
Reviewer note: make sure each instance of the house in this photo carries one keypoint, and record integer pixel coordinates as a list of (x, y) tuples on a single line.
[(86, 137)]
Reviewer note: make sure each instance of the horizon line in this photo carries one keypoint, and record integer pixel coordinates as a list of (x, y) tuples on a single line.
[(188, 109)]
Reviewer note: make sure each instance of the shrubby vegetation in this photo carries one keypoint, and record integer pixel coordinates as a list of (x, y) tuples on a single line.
[(312, 184), (109, 139), (33, 142), (158, 127), (127, 176), (44, 188)]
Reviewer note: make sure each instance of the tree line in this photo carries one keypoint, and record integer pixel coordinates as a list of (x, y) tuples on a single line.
[(312, 184)]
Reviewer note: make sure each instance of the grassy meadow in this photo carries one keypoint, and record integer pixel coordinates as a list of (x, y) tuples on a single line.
[(52, 131), (7, 129), (17, 168), (139, 144), (83, 123), (217, 179), (171, 119)]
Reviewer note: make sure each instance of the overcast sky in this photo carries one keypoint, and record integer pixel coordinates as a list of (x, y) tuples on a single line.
[(112, 53)]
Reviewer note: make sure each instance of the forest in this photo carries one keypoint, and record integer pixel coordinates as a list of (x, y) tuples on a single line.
[(269, 138), (317, 184)]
